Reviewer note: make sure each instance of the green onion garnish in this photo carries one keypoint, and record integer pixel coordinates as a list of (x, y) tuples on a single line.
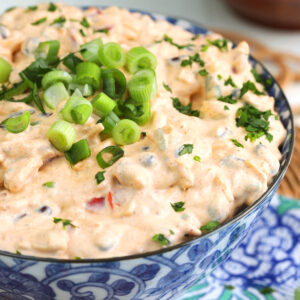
[(210, 226), (47, 50), (139, 58), (39, 21), (160, 238), (126, 132), (5, 69), (77, 110), (49, 184), (71, 61), (55, 94), (103, 105), (114, 83), (16, 90), (116, 153), (112, 55), (84, 89), (18, 124), (36, 99), (186, 149), (90, 51), (62, 135), (142, 86), (109, 122), (236, 143), (56, 76), (178, 206), (89, 73), (100, 177), (78, 152), (65, 222)]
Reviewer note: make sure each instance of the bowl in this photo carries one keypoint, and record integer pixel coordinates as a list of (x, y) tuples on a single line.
[(162, 274)]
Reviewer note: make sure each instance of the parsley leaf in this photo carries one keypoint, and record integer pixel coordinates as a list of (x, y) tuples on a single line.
[(169, 40), (195, 37), (103, 30), (219, 76), (49, 184), (236, 143), (197, 158), (229, 81), (250, 86), (259, 79), (39, 21), (221, 44), (82, 32), (267, 290), (160, 238), (31, 8), (65, 222), (77, 257), (36, 99), (226, 107), (171, 231), (85, 23), (10, 9), (210, 226), (229, 287), (52, 7), (186, 149), (204, 48), (60, 21), (100, 177), (18, 252), (228, 99), (185, 109), (178, 206), (167, 87), (195, 58), (203, 72)]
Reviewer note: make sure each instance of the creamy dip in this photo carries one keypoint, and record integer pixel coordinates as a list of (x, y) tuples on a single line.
[(122, 214)]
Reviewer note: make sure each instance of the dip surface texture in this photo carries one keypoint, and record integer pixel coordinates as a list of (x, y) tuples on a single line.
[(202, 163)]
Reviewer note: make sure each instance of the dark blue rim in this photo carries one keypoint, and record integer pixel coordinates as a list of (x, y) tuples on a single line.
[(237, 217)]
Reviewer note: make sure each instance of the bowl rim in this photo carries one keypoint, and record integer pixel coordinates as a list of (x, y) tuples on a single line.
[(276, 179)]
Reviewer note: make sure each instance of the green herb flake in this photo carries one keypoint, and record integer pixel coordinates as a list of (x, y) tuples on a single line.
[(178, 206), (204, 48), (169, 40), (10, 9), (259, 79), (102, 30), (167, 87), (229, 287), (100, 177), (250, 86), (186, 149), (60, 21), (31, 8), (203, 72), (49, 184), (195, 37), (221, 44), (229, 81), (52, 7), (84, 22), (185, 109), (171, 231), (267, 290), (18, 252), (197, 158), (82, 33), (210, 226), (39, 21), (65, 222), (195, 58), (236, 143), (226, 107), (228, 99), (160, 238), (143, 134), (77, 258), (219, 76)]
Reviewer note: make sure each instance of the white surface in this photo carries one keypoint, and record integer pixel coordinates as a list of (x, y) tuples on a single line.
[(210, 13)]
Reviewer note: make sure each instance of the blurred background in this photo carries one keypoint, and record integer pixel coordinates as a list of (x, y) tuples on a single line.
[(271, 27)]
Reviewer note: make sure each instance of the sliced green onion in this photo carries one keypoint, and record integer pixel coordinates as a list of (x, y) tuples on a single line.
[(85, 89), (139, 58), (142, 85), (112, 55), (62, 135), (56, 76), (100, 177), (18, 124), (89, 73), (109, 122), (36, 99), (47, 50), (78, 152), (126, 132), (55, 94), (116, 153), (71, 61), (114, 83), (16, 90), (103, 105), (90, 51), (77, 110), (5, 69)]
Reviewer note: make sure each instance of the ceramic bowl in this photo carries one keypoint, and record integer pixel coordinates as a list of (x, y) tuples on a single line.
[(163, 274)]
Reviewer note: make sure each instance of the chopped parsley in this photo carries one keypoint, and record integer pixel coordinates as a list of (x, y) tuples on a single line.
[(103, 30), (143, 134), (77, 258), (228, 99), (210, 226), (178, 206), (197, 158), (169, 40), (229, 287), (167, 87), (82, 32), (254, 121), (171, 231), (60, 21), (267, 290), (31, 8), (195, 37), (39, 21), (259, 79), (195, 58), (204, 48), (185, 109), (84, 22), (221, 44), (186, 149), (236, 143), (160, 238), (10, 9), (65, 222), (229, 81), (203, 72), (18, 252), (100, 177), (226, 107), (49, 184), (250, 86), (52, 7), (35, 123), (219, 76)]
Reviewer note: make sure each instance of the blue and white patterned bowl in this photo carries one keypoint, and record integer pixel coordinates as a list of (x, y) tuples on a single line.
[(162, 274)]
